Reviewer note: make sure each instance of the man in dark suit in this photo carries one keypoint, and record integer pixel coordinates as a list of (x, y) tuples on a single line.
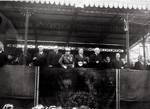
[(40, 59), (107, 64), (96, 59), (53, 58), (117, 63), (80, 59), (67, 59)]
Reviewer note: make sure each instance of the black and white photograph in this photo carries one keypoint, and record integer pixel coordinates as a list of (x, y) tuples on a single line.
[(75, 54)]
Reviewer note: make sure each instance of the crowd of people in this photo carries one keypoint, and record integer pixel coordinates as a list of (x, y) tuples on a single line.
[(66, 60)]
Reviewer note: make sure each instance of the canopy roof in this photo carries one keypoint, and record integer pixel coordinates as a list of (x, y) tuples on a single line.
[(88, 26), (131, 4)]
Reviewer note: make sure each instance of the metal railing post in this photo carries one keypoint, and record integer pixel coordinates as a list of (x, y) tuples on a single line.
[(36, 88), (117, 88)]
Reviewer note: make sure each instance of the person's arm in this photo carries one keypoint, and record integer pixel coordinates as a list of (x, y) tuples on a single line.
[(87, 59)]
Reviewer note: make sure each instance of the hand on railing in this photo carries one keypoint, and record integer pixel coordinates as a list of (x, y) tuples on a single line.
[(64, 66)]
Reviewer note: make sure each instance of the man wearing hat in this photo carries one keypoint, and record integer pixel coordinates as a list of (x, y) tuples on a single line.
[(67, 60), (53, 58)]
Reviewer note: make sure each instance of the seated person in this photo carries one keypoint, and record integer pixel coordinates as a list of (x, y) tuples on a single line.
[(67, 60), (139, 65), (80, 59), (53, 58), (107, 63), (117, 63), (96, 59)]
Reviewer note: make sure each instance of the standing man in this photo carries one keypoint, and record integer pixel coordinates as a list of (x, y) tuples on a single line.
[(40, 59), (107, 63), (117, 63), (96, 59), (53, 58), (67, 59), (80, 59)]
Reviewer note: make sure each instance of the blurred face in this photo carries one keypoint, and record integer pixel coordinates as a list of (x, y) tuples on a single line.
[(67, 52), (108, 59), (10, 57), (22, 49), (80, 51), (40, 49), (97, 50), (117, 56), (56, 50)]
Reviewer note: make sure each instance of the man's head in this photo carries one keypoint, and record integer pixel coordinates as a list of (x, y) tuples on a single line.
[(41, 49), (108, 59), (56, 50), (67, 50), (80, 51), (97, 50), (117, 55)]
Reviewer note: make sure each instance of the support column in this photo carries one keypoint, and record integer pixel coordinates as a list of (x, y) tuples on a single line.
[(144, 52), (36, 89), (27, 15), (127, 39)]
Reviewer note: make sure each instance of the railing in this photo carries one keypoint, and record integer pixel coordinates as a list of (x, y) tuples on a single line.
[(19, 81)]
